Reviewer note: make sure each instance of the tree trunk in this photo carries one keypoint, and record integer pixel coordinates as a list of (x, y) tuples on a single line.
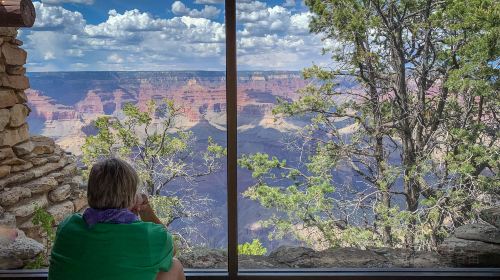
[(17, 13)]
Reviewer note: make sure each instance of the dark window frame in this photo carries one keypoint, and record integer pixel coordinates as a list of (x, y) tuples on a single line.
[(233, 272)]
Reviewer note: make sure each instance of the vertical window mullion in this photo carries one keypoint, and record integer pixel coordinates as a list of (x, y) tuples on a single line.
[(231, 115)]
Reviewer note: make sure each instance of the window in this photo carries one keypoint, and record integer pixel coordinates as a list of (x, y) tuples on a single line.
[(359, 162), (141, 81)]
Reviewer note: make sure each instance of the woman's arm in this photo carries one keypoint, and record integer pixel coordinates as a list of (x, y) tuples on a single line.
[(147, 214)]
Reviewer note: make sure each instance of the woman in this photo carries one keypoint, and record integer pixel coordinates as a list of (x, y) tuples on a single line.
[(109, 241)]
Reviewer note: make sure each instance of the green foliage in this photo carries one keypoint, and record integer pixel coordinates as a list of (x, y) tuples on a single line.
[(39, 262), (162, 152), (164, 207), (252, 249), (45, 220), (427, 76)]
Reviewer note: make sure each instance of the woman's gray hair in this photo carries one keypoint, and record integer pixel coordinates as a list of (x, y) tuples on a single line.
[(112, 184)]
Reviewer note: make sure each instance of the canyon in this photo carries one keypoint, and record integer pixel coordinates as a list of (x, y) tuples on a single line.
[(65, 104)]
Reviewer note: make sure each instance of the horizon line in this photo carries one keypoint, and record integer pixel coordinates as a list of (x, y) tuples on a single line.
[(125, 71)]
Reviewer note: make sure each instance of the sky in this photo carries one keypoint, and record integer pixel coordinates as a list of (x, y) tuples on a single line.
[(161, 35)]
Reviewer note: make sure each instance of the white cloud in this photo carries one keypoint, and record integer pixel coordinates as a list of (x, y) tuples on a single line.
[(126, 24), (58, 2), (299, 23), (289, 3), (272, 37), (50, 18), (209, 1), (49, 56), (115, 58), (178, 8)]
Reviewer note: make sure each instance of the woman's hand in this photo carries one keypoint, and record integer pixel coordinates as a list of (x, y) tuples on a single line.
[(140, 202)]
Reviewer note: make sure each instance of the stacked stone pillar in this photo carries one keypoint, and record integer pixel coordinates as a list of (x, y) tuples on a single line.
[(34, 171)]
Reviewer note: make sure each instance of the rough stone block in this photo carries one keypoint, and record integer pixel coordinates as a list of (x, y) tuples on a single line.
[(23, 248), (21, 96), (10, 137), (69, 170), (13, 54), (28, 207), (76, 182), (54, 158), (5, 170), (48, 168), (8, 220), (8, 98), (43, 145), (14, 82), (470, 253), (22, 167), (15, 70), (41, 185), (8, 31), (12, 196), (6, 152), (39, 161), (17, 178), (491, 216), (59, 194), (16, 42), (61, 211), (13, 161), (480, 232), (24, 148), (4, 118), (18, 115)]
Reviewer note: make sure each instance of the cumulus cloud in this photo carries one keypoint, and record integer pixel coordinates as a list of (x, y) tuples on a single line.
[(58, 2), (51, 18), (269, 37), (209, 1), (178, 8), (126, 25), (289, 3)]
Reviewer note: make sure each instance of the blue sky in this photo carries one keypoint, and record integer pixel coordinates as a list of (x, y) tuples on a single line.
[(154, 35)]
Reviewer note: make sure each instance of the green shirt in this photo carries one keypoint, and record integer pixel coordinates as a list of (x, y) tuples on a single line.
[(109, 251)]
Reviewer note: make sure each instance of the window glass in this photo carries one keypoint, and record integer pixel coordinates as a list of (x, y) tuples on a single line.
[(139, 80), (361, 143)]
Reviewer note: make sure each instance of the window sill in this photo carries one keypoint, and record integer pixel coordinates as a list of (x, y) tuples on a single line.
[(302, 274)]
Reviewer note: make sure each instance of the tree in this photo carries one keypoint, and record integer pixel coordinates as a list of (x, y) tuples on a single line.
[(162, 153), (252, 249), (411, 97)]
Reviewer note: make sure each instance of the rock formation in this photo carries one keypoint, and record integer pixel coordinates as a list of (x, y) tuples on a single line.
[(472, 245), (475, 245), (34, 171), (302, 257)]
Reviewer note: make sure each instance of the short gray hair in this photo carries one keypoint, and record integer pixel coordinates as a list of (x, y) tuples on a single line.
[(112, 184)]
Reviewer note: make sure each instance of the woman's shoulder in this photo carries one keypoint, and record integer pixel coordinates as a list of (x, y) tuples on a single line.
[(75, 218)]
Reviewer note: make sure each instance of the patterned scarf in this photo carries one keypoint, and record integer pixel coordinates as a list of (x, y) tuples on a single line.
[(114, 216)]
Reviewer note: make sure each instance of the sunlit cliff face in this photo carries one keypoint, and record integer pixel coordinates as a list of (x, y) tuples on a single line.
[(202, 99)]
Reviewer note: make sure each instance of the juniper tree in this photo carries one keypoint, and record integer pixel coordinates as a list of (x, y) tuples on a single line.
[(417, 84), (152, 141)]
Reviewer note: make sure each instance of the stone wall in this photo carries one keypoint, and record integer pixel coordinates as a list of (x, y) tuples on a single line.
[(34, 171)]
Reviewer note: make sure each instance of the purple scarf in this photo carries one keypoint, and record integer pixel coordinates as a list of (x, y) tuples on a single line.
[(114, 216)]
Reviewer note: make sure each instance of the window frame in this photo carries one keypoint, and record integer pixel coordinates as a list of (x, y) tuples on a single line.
[(233, 272)]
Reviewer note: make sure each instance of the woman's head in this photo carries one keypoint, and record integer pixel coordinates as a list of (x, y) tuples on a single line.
[(112, 184)]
